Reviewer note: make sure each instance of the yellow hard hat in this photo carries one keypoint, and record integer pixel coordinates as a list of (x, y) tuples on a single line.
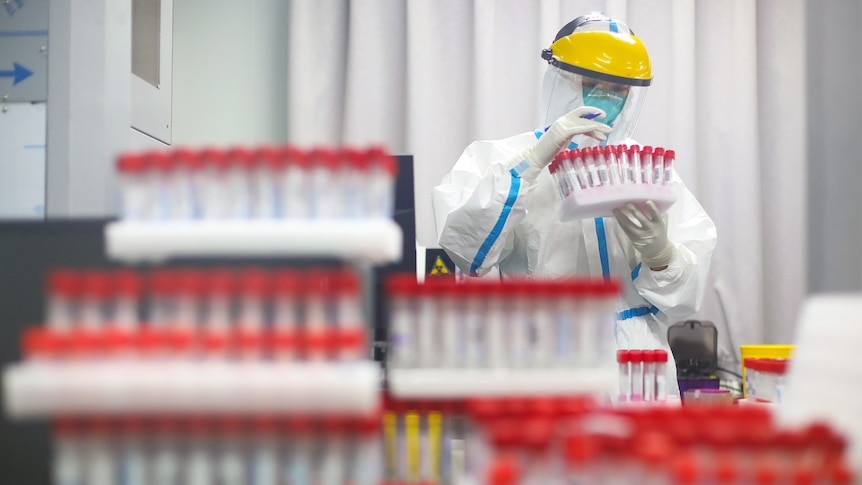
[(608, 56)]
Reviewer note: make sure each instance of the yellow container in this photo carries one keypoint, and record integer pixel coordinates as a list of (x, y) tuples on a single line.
[(762, 352)]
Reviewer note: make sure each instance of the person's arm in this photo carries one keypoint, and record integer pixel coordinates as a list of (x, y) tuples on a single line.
[(677, 287), (483, 199)]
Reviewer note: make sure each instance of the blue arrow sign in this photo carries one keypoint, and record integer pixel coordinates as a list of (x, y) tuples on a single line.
[(18, 73)]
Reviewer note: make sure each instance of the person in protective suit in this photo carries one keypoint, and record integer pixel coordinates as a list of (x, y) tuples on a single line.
[(499, 207)]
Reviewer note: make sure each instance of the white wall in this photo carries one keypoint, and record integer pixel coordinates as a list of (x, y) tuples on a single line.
[(230, 72)]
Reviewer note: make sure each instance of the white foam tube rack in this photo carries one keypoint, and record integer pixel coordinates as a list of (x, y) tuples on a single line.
[(374, 241), (601, 201), (464, 383), (43, 388)]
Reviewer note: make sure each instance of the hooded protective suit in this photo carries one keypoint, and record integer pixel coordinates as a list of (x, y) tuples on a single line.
[(499, 207)]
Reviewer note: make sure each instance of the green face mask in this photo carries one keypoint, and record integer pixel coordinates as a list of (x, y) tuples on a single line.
[(609, 101)]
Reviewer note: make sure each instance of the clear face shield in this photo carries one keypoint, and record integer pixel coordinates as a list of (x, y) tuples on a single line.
[(563, 91)]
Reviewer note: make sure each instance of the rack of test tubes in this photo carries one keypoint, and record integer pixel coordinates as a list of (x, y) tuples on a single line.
[(594, 181), (642, 375), (765, 379), (196, 340), (555, 439), (257, 449), (451, 339), (263, 201)]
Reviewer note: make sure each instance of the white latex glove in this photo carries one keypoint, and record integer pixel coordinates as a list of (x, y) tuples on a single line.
[(558, 136), (647, 232)]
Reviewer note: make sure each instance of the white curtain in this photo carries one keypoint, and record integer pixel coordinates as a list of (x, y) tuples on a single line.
[(426, 77)]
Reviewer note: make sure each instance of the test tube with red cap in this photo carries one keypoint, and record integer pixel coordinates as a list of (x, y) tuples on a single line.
[(164, 458), (265, 179), (601, 165), (63, 293), (669, 158), (327, 184), (263, 457), (625, 375), (402, 331), (450, 329), (221, 288), (348, 319), (200, 455), (136, 189), (381, 182), (189, 289), (299, 466), (355, 167), (318, 313), (637, 361), (545, 317), (162, 287), (333, 461), (634, 160), (131, 450), (557, 172), (474, 322), (100, 461), (649, 357), (214, 197), (646, 164), (161, 165), (295, 187), (95, 298), (592, 167), (658, 166), (68, 465), (185, 184), (498, 323), (230, 451), (240, 165), (661, 375), (127, 291), (368, 463), (427, 325), (288, 294), (580, 168), (614, 174), (520, 322)]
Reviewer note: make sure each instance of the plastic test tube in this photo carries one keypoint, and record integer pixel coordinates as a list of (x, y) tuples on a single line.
[(402, 335), (64, 286), (646, 165), (661, 375), (96, 291), (635, 163), (238, 183), (544, 323), (295, 186), (669, 158), (637, 359), (100, 460), (601, 165), (348, 317), (475, 329), (521, 322), (625, 376), (135, 188), (450, 328), (263, 453), (327, 187), (592, 169), (68, 453), (649, 357), (213, 189), (264, 182), (658, 166), (164, 461), (499, 321), (317, 317), (161, 177), (285, 319), (427, 325), (127, 292), (185, 184), (132, 464), (612, 164)]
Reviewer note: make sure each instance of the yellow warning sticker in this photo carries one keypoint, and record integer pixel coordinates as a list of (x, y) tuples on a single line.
[(439, 267)]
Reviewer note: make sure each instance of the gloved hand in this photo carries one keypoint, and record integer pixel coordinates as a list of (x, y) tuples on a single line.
[(647, 232), (558, 136)]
